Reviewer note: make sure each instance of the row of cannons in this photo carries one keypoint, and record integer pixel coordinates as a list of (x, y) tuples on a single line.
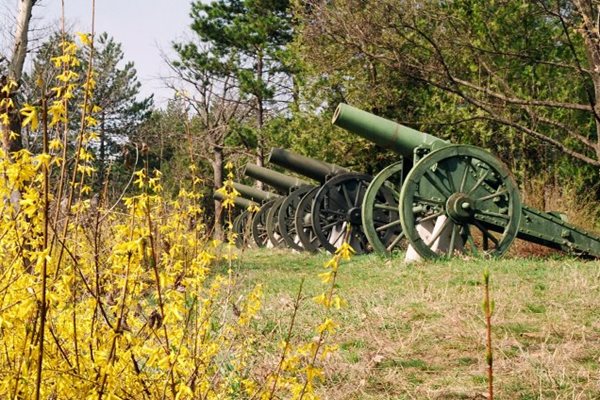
[(438, 199)]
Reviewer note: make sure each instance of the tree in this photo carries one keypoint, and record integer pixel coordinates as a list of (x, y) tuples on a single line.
[(11, 138), (523, 76), (236, 71), (247, 42), (116, 94)]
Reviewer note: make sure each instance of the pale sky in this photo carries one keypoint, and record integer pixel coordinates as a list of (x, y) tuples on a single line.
[(145, 28)]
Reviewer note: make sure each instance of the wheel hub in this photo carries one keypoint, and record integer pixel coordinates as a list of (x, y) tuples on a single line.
[(354, 216), (460, 207)]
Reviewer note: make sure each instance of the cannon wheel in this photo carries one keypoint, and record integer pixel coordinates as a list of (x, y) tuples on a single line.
[(303, 222), (241, 226), (273, 224), (471, 198), (238, 229), (286, 220), (380, 216), (259, 225), (336, 212)]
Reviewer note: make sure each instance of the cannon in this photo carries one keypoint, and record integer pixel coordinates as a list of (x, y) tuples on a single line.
[(259, 221), (242, 222), (280, 217), (457, 198), (332, 212)]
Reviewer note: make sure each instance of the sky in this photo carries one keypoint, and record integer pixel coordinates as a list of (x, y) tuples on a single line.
[(145, 29)]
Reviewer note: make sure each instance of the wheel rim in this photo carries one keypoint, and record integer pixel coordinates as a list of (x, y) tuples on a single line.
[(380, 216), (336, 212), (468, 196), (286, 217), (273, 224), (238, 230), (259, 225), (303, 222)]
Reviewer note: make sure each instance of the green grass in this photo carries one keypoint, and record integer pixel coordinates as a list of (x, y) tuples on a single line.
[(417, 331)]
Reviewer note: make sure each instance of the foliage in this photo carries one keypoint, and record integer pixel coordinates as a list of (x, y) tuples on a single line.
[(115, 94), (516, 77), (124, 301)]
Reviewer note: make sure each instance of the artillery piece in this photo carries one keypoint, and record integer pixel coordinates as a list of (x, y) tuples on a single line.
[(242, 221), (325, 214), (259, 221), (455, 198), (280, 217)]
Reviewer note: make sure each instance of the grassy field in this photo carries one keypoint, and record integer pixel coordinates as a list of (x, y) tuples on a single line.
[(418, 331)]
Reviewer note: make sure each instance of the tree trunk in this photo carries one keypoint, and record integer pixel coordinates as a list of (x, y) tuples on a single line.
[(102, 158), (217, 165), (260, 118), (15, 71)]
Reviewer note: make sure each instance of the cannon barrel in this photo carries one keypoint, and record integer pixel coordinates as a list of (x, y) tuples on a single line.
[(306, 166), (386, 133), (273, 178), (240, 202), (254, 193)]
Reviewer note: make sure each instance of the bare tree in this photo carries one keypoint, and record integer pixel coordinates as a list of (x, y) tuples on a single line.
[(13, 73), (218, 104), (531, 67)]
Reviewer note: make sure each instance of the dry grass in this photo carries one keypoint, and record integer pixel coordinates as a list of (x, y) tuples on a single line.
[(418, 331)]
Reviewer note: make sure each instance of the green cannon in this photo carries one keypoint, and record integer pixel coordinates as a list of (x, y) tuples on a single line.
[(455, 198), (280, 217), (331, 213), (242, 222), (259, 221)]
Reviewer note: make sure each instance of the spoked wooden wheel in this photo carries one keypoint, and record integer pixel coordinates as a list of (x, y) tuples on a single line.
[(380, 216), (336, 212), (303, 222), (238, 229), (460, 199), (285, 217), (259, 225), (273, 224)]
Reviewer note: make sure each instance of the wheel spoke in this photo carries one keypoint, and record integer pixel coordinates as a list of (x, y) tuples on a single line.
[(357, 197), (439, 186), (486, 233), (479, 182), (463, 181), (430, 217), (439, 232), (470, 240), (349, 202), (450, 182), (330, 225), (455, 228), (395, 241), (493, 195), (387, 226), (386, 207)]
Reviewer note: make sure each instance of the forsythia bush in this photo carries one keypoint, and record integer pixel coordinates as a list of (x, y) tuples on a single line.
[(124, 302)]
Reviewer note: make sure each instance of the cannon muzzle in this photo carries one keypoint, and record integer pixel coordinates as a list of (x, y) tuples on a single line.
[(306, 166), (254, 193), (272, 178), (386, 133), (240, 202)]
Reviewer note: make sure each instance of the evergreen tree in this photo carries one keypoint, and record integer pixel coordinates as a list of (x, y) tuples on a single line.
[(116, 93)]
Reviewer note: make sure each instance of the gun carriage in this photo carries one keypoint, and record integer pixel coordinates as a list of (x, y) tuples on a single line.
[(242, 222), (280, 217), (455, 198), (259, 221), (328, 213)]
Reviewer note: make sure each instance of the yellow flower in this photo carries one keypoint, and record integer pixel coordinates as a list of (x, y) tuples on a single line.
[(327, 326), (31, 116)]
